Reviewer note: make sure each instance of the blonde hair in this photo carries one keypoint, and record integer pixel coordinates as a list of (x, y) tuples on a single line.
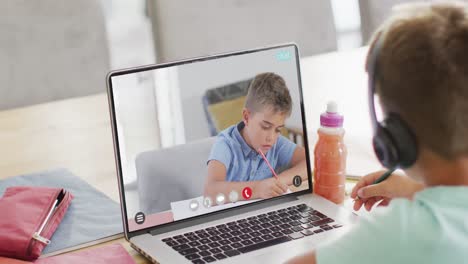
[(423, 73), (268, 90)]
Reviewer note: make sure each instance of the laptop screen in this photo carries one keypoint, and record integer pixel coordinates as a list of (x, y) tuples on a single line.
[(199, 136)]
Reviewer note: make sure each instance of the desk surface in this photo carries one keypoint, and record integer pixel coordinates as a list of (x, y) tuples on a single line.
[(76, 134), (73, 134), (40, 137)]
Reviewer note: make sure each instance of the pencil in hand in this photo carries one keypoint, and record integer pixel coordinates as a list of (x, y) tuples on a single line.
[(384, 176), (268, 163), (380, 179)]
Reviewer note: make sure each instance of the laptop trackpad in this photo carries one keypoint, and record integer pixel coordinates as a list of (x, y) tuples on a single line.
[(282, 253)]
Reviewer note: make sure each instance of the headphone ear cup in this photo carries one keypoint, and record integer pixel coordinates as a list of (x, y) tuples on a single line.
[(384, 148), (403, 140), (394, 143)]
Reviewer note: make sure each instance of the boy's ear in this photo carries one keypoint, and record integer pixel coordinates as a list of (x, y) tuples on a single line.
[(245, 115)]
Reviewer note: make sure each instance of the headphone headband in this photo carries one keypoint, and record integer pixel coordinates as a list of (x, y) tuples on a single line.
[(372, 72), (394, 143)]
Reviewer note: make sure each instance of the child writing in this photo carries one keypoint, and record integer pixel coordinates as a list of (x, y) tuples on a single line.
[(235, 161), (422, 77)]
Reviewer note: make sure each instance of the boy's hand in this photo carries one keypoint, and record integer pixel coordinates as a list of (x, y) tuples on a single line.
[(396, 186), (269, 188)]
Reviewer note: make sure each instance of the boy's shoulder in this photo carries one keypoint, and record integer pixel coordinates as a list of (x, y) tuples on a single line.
[(411, 219), (228, 135), (227, 145), (408, 229), (226, 139)]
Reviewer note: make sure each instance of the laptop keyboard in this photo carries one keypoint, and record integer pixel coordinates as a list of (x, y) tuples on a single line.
[(256, 232)]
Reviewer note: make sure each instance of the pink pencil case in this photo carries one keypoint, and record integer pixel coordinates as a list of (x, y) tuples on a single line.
[(30, 216)]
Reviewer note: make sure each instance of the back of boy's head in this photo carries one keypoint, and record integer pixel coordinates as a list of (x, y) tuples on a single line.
[(423, 73), (268, 90)]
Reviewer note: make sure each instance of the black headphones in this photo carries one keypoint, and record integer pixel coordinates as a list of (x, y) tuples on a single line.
[(394, 143)]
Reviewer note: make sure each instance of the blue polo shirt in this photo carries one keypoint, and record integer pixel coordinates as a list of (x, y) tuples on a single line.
[(245, 164)]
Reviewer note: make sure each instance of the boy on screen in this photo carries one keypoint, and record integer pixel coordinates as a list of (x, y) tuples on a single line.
[(235, 161)]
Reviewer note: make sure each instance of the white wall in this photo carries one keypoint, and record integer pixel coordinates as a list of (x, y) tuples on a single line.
[(137, 119)]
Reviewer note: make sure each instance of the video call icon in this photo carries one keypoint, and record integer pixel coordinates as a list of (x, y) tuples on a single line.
[(193, 205), (297, 180), (233, 196), (220, 199), (247, 193), (207, 202), (140, 218)]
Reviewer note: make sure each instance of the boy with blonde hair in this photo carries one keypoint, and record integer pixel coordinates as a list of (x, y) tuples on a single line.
[(235, 161)]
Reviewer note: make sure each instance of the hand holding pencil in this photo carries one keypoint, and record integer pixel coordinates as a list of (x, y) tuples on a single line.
[(381, 187), (271, 187)]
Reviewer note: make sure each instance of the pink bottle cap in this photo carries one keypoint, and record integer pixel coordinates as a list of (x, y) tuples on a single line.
[(331, 118)]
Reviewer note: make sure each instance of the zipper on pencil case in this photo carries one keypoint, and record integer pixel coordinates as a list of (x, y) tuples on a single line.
[(57, 202)]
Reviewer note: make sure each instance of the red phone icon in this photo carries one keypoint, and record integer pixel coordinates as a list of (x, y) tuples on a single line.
[(247, 193)]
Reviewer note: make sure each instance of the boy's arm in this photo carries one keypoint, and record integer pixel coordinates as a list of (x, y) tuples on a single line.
[(308, 258), (298, 167), (393, 235), (216, 183)]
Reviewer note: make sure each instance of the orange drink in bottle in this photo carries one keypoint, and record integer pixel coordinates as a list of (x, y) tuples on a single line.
[(330, 156)]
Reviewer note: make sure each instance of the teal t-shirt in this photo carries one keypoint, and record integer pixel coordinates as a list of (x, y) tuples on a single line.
[(433, 228)]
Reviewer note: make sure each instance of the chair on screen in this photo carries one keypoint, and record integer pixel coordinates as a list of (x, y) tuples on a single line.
[(172, 174), (223, 108)]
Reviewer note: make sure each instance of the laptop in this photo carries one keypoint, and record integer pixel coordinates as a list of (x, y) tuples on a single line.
[(166, 119)]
